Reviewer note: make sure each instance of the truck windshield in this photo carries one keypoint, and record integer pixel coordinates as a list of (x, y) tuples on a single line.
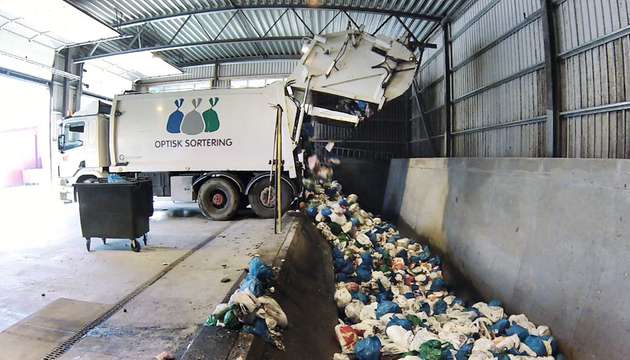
[(73, 135)]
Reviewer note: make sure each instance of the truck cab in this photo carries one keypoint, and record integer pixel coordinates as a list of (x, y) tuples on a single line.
[(82, 142)]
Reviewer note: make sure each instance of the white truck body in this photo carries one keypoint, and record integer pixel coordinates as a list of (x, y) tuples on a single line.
[(240, 139)]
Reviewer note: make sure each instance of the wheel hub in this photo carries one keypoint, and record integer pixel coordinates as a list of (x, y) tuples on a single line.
[(218, 199), (268, 197)]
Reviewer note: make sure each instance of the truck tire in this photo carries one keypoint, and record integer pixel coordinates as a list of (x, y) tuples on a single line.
[(218, 199), (259, 195)]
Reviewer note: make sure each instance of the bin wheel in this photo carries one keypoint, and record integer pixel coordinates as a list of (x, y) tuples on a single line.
[(104, 241), (144, 239), (88, 243), (135, 245)]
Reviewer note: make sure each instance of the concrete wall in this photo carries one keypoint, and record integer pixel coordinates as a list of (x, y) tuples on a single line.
[(548, 237), (364, 178)]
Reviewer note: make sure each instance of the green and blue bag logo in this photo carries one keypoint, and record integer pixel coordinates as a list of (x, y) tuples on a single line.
[(193, 123)]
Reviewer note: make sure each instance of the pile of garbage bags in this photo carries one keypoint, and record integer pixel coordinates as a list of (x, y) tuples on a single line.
[(392, 297), (251, 309)]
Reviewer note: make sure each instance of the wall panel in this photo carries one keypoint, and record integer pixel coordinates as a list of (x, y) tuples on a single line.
[(498, 80), (499, 86), (594, 43)]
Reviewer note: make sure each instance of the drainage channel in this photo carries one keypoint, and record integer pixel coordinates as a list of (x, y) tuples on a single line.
[(66, 345)]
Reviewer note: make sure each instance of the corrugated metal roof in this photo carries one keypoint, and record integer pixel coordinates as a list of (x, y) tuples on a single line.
[(211, 26)]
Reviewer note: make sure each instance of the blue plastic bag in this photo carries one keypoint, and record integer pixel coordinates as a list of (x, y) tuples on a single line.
[(387, 307), (259, 270), (426, 308), (425, 254), (254, 285), (518, 330), (364, 273), (495, 302), (366, 259), (384, 296), (357, 295), (464, 352), (348, 267), (260, 329), (500, 327), (537, 344), (312, 212), (404, 323), (368, 348), (438, 285), (439, 307)]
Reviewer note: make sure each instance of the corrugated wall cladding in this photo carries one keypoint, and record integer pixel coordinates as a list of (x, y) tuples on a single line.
[(594, 43), (427, 127), (498, 81)]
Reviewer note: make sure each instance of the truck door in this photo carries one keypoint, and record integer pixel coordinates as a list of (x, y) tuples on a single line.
[(71, 142)]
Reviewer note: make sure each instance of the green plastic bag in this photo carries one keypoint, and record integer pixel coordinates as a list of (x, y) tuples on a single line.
[(416, 321), (433, 350), (231, 321), (212, 321)]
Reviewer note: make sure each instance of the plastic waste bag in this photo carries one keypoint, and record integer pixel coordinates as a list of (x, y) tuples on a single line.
[(404, 323), (387, 307), (230, 320), (253, 285), (271, 312), (369, 348), (244, 304), (400, 336), (432, 350), (260, 270), (353, 311), (342, 297), (347, 337)]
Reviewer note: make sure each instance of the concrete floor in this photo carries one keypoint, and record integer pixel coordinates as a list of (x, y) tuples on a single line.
[(43, 258)]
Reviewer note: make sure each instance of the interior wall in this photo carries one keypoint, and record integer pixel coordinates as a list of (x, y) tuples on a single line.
[(548, 237), (499, 87)]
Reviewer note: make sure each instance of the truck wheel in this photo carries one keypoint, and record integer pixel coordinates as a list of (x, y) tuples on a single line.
[(218, 199), (262, 198)]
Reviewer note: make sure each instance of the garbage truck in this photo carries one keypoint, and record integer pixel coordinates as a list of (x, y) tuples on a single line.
[(216, 146)]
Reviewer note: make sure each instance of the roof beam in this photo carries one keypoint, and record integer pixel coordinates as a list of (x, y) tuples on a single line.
[(402, 14), (159, 48), (239, 60)]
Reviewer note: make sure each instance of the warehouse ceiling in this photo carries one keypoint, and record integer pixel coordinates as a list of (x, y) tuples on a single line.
[(195, 32)]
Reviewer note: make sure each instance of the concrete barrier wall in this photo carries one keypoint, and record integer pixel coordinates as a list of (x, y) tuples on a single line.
[(548, 237)]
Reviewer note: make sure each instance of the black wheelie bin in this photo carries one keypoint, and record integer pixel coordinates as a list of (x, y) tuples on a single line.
[(118, 209)]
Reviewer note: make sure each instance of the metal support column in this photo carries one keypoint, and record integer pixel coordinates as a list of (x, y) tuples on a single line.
[(448, 114), (552, 75)]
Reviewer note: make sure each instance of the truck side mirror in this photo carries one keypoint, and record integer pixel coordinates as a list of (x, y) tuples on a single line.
[(61, 142)]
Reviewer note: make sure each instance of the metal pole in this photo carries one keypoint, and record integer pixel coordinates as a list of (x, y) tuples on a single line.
[(552, 73), (278, 214), (448, 116)]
